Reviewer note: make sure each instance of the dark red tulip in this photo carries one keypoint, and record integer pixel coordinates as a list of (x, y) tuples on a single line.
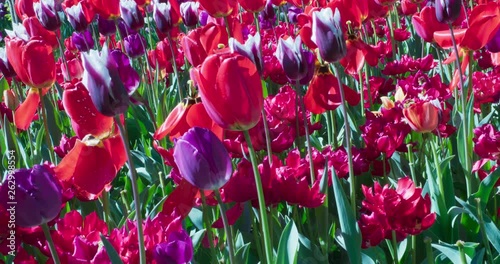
[(24, 8), (218, 8), (35, 29), (222, 78), (253, 6)]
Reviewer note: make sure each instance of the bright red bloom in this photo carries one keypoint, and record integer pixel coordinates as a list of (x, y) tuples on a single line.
[(422, 116), (487, 142), (426, 23), (24, 8), (201, 42), (25, 113), (107, 9), (32, 60), (253, 6), (35, 29), (218, 8), (231, 90)]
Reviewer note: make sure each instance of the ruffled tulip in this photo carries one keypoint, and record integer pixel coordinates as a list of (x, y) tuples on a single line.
[(327, 35), (46, 12), (37, 198), (231, 90)]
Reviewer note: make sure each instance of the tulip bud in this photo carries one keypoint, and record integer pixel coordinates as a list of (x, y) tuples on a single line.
[(177, 249), (106, 27), (189, 13), (251, 50), (295, 61), (10, 99), (46, 12), (37, 198), (162, 16), (76, 17), (83, 41), (110, 79), (447, 11), (5, 67), (135, 45), (327, 35), (202, 159), (422, 117), (131, 14)]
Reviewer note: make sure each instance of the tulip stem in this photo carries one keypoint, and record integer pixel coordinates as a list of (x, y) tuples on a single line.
[(174, 66), (465, 125), (395, 247), (63, 58), (262, 203), (391, 32), (428, 250), (227, 228), (483, 231), (46, 127), (306, 129), (228, 28), (52, 247), (135, 190), (268, 137), (206, 220), (347, 139)]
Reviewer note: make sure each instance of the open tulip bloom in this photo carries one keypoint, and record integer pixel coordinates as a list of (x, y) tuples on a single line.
[(250, 131)]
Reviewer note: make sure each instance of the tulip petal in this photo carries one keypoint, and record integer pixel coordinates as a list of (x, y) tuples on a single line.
[(181, 199), (26, 111)]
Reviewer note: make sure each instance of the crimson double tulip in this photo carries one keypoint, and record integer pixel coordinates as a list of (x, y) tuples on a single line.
[(231, 90)]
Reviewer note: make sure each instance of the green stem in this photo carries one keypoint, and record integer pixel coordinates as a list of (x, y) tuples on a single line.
[(411, 162), (428, 250), (347, 129), (52, 247), (63, 58), (174, 66), (483, 231), (395, 247), (106, 213), (46, 127), (228, 28), (206, 221), (135, 190), (123, 195), (414, 249), (362, 94), (391, 31), (227, 228), (460, 245), (261, 199), (306, 129)]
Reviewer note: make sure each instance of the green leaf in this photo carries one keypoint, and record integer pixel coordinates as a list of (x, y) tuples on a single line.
[(486, 187), (197, 237), (451, 252), (113, 255), (4, 85), (54, 131), (348, 224), (288, 245), (241, 255)]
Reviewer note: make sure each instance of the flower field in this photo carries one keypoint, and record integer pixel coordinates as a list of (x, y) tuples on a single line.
[(250, 131)]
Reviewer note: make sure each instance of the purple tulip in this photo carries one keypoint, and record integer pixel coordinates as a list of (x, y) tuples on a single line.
[(5, 67), (106, 27), (135, 45), (110, 79), (202, 159), (76, 17), (189, 13), (493, 45), (35, 195), (293, 12), (178, 249), (83, 41), (204, 18), (296, 61), (327, 35), (131, 14), (447, 11), (162, 17), (46, 12), (251, 50)]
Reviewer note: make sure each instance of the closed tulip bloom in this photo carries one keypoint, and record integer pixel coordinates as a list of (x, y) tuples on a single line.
[(218, 8), (32, 60), (83, 41), (447, 11), (295, 61), (108, 9), (422, 117), (189, 13), (178, 249), (202, 159), (135, 45), (76, 17), (38, 196), (105, 26), (131, 14), (46, 12), (231, 90), (24, 8), (253, 6), (165, 16), (327, 35), (251, 50), (110, 79), (5, 67)]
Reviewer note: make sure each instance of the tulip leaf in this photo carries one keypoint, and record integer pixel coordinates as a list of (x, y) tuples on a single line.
[(54, 130), (4, 85), (348, 224), (486, 187), (197, 238), (451, 252), (288, 245), (112, 254), (479, 257), (241, 255)]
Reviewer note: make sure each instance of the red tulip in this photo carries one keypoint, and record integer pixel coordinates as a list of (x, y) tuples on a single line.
[(25, 113), (426, 23), (231, 90), (24, 8), (107, 9), (201, 42), (218, 8), (32, 60), (422, 116), (253, 6), (35, 29)]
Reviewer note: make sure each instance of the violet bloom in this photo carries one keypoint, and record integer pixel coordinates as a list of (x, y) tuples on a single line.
[(292, 13), (110, 79), (447, 11), (297, 63), (135, 45), (131, 14), (202, 159), (37, 199), (106, 27), (83, 41), (5, 67), (493, 45), (327, 35), (189, 13), (251, 50), (46, 12), (178, 249), (76, 17)]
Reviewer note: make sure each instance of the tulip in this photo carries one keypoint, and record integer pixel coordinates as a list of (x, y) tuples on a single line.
[(37, 198), (251, 50), (110, 79), (165, 16), (5, 67), (76, 17), (252, 6), (83, 41), (422, 116), (189, 13), (268, 13), (131, 14), (24, 8), (296, 62), (106, 27), (202, 159), (35, 29), (46, 12), (135, 45), (107, 9), (447, 11), (201, 42), (218, 8), (231, 90), (327, 35), (33, 61), (177, 250)]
